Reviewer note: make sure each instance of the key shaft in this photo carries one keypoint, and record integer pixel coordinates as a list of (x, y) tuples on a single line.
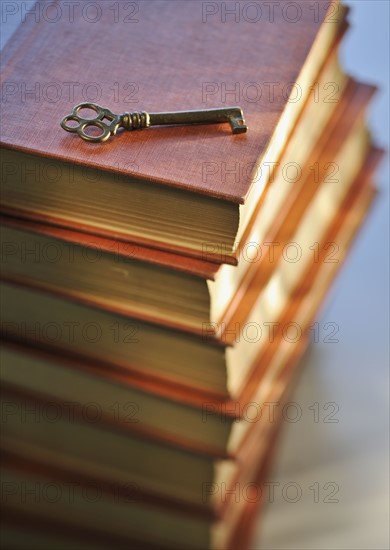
[(232, 115)]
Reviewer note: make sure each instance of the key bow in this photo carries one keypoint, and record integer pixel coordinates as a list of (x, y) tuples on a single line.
[(105, 120)]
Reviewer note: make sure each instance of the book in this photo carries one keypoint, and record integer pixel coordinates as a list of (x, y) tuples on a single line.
[(159, 289), (167, 187), (227, 533), (165, 287), (269, 364), (206, 360), (223, 533)]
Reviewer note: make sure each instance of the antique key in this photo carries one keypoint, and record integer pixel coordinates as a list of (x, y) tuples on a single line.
[(106, 123)]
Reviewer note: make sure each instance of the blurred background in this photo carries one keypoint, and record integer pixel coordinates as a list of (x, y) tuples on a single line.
[(342, 467)]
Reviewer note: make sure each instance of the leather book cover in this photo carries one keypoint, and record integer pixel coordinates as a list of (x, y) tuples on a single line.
[(160, 56)]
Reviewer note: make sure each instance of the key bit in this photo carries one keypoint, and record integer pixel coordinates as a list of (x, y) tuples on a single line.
[(106, 123)]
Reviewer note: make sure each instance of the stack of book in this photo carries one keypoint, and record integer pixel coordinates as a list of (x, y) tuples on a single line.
[(159, 289)]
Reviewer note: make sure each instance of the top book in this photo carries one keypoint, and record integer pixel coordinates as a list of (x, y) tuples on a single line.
[(174, 188)]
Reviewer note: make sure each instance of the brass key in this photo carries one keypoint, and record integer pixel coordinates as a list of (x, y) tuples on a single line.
[(107, 123)]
